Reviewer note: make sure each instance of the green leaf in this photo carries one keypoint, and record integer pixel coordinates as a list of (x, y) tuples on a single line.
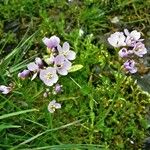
[(17, 113), (76, 68), (7, 126)]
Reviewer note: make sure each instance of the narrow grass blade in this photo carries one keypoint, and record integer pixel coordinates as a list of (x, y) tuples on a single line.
[(40, 134), (7, 126), (70, 146), (17, 113)]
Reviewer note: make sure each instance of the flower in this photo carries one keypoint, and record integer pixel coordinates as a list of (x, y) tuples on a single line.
[(117, 39), (5, 89), (64, 50), (24, 74), (62, 65), (48, 76), (130, 66), (39, 62), (134, 34), (52, 106), (51, 42), (57, 89), (35, 66), (139, 49), (132, 37), (123, 52)]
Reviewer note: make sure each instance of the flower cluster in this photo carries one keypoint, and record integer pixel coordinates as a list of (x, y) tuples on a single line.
[(131, 48), (56, 63)]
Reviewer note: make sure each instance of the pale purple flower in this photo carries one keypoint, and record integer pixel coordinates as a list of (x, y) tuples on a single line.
[(35, 66), (134, 34), (24, 74), (57, 89), (5, 89), (65, 50), (117, 39), (39, 62), (51, 42), (139, 49), (52, 106), (129, 65), (132, 37), (48, 76), (62, 65), (123, 52)]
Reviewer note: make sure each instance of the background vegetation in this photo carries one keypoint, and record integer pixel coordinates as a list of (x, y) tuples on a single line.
[(102, 108)]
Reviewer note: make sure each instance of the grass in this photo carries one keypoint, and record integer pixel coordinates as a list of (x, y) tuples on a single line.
[(102, 108)]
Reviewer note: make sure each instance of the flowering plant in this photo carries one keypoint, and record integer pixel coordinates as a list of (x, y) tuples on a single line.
[(48, 69), (131, 49)]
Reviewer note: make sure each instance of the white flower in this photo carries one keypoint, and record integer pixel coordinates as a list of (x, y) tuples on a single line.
[(4, 89), (132, 37), (66, 52), (52, 106), (134, 34), (117, 39), (139, 49)]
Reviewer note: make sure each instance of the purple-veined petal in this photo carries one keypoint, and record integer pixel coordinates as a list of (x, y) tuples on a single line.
[(66, 46), (33, 67)]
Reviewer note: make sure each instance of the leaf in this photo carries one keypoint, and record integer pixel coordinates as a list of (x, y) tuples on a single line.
[(7, 126), (76, 68), (17, 113)]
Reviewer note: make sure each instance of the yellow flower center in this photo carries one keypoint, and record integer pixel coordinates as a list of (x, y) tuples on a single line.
[(48, 76)]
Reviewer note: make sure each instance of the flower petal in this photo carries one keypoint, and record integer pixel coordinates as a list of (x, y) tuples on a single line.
[(66, 46), (71, 55), (33, 67)]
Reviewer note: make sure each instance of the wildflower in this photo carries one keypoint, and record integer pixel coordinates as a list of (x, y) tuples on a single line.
[(57, 89), (49, 76), (51, 42), (66, 52), (132, 37), (129, 65), (139, 49), (134, 34), (24, 74), (123, 52), (62, 65), (52, 106), (39, 62), (117, 39), (5, 89), (35, 67)]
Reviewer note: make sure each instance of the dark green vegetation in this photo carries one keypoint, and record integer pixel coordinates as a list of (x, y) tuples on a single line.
[(101, 107)]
